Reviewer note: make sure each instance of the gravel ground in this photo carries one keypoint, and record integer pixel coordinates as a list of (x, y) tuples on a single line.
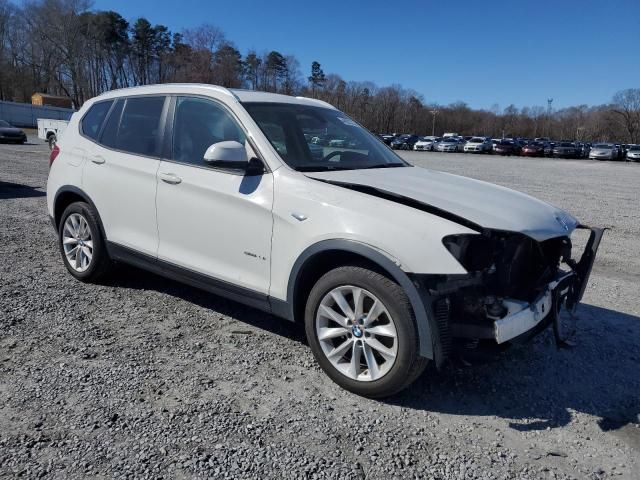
[(144, 377)]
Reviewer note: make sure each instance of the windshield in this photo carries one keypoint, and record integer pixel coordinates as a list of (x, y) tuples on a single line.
[(314, 139), (476, 140), (4, 124), (603, 146), (566, 145), (634, 148)]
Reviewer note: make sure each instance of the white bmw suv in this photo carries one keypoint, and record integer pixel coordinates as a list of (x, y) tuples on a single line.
[(389, 266)]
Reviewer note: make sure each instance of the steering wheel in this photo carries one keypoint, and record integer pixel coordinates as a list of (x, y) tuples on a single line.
[(329, 156)]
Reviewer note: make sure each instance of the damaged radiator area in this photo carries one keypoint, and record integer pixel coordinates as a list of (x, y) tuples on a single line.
[(507, 272)]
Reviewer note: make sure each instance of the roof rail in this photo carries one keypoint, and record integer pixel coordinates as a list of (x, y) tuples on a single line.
[(217, 88)]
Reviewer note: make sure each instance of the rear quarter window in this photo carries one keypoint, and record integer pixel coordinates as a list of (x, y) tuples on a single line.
[(92, 121)]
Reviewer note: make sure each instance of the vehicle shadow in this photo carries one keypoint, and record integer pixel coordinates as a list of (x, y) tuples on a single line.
[(599, 376), (17, 190), (130, 277)]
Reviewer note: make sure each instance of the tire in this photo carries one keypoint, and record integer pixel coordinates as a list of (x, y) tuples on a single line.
[(99, 263), (389, 375), (51, 140)]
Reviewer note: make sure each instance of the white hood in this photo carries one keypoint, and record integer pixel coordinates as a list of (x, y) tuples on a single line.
[(485, 204)]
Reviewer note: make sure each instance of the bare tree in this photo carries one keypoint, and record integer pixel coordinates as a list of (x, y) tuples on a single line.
[(627, 108)]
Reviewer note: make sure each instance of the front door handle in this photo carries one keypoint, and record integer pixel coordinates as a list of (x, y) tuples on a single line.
[(170, 178), (97, 159)]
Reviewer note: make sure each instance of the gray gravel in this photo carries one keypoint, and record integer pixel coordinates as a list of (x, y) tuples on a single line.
[(144, 377)]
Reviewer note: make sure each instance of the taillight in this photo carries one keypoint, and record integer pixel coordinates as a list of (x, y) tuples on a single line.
[(55, 151)]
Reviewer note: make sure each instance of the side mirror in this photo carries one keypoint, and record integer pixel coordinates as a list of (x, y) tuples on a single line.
[(229, 154)]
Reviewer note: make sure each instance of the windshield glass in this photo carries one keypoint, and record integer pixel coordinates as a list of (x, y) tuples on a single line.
[(634, 148), (476, 140), (566, 145), (603, 146), (4, 124), (314, 139)]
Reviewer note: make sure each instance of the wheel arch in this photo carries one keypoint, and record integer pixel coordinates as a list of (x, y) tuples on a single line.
[(65, 196), (323, 256)]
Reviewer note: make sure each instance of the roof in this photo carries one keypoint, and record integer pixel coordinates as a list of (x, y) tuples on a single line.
[(203, 88)]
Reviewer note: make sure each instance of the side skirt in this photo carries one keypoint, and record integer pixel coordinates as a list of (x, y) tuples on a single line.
[(195, 279)]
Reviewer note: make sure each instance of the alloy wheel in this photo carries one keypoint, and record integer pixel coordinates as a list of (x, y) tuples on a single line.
[(356, 333), (77, 242)]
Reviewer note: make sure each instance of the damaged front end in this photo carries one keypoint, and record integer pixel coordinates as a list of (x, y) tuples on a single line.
[(515, 285)]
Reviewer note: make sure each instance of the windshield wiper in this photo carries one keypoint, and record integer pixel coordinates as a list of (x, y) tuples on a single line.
[(320, 168), (331, 168)]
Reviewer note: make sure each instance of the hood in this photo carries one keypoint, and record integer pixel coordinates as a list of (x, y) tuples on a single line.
[(484, 204)]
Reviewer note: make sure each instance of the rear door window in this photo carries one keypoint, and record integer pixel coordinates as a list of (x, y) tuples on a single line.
[(134, 126), (92, 121)]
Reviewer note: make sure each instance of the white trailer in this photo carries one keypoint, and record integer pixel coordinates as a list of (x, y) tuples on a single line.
[(50, 130)]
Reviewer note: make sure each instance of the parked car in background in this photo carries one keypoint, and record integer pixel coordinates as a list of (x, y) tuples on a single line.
[(622, 150), (11, 134), (50, 130), (566, 150), (450, 134), (478, 145), (404, 142), (450, 144), (425, 143), (603, 151), (506, 147), (387, 139), (534, 149), (633, 153)]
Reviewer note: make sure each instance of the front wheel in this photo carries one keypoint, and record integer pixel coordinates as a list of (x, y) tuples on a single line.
[(362, 332)]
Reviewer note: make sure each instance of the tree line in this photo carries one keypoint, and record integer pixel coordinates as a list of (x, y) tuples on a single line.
[(63, 47)]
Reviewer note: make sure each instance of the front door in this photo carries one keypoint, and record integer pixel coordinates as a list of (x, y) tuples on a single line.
[(214, 222)]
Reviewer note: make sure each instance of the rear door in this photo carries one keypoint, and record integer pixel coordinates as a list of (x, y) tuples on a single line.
[(120, 171), (213, 221)]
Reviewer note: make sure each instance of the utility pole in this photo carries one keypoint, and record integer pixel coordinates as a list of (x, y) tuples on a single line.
[(433, 125), (549, 102)]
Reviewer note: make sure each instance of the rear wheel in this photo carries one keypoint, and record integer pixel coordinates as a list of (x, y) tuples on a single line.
[(82, 247), (51, 140), (362, 331)]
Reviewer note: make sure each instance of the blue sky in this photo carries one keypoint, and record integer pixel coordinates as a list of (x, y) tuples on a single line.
[(482, 53)]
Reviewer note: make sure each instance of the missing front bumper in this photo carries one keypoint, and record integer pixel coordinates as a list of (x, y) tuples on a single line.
[(524, 319), (567, 290)]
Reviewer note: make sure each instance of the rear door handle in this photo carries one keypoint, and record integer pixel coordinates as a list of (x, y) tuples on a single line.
[(170, 178), (97, 159)]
